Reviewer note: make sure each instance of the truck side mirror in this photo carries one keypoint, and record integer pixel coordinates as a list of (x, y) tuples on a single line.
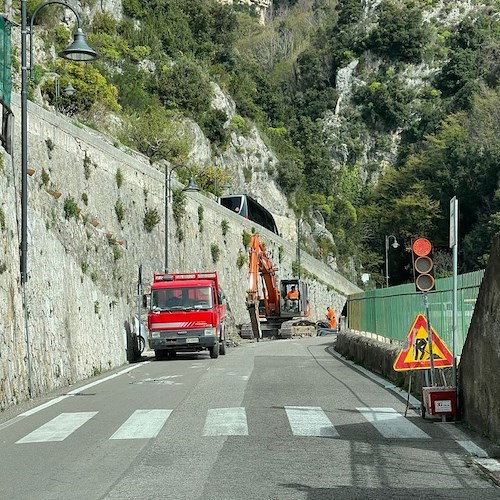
[(145, 301)]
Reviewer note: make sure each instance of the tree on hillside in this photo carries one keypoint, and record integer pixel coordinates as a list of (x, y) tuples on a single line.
[(158, 134), (400, 33), (185, 86), (461, 159)]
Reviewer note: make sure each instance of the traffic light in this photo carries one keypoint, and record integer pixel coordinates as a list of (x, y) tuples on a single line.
[(423, 266)]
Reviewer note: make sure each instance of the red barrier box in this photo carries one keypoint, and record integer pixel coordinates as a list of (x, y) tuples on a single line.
[(439, 400)]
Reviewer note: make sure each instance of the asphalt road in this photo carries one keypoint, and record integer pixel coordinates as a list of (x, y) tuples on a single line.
[(270, 420)]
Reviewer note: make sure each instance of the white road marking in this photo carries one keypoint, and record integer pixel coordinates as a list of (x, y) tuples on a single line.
[(391, 424), (165, 380), (226, 422), (77, 391), (59, 428), (43, 406), (310, 421), (303, 420), (142, 424)]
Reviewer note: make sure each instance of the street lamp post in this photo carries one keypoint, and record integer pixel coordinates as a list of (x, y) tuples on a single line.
[(191, 187), (77, 51), (299, 235), (224, 187), (395, 244), (68, 91)]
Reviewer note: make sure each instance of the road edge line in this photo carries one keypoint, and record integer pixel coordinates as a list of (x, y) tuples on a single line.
[(58, 399)]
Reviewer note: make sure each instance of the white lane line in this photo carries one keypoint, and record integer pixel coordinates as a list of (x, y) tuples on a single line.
[(59, 428), (142, 424), (391, 424), (226, 422), (43, 406), (77, 391), (310, 421)]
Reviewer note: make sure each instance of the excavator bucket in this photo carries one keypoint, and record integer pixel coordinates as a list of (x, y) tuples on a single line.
[(254, 321)]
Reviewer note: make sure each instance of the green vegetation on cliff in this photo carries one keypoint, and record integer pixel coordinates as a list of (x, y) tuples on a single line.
[(378, 113)]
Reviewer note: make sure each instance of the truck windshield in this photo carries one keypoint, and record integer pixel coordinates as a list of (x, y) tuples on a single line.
[(181, 298)]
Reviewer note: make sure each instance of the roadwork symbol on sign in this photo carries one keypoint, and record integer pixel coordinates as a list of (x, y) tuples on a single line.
[(416, 355)]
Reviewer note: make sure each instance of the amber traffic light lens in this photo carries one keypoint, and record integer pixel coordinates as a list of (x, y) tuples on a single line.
[(423, 264)]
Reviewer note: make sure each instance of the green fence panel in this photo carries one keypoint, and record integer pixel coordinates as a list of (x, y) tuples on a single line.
[(5, 61), (390, 312)]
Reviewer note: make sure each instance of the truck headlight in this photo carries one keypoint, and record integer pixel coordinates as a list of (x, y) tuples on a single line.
[(209, 332)]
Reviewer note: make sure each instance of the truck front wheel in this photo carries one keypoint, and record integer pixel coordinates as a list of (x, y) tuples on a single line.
[(222, 346), (214, 351)]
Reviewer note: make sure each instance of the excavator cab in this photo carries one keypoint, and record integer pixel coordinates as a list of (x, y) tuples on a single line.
[(293, 298), (275, 302)]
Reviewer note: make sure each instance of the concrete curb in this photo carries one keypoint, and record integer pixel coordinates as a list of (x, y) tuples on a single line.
[(413, 402), (490, 466)]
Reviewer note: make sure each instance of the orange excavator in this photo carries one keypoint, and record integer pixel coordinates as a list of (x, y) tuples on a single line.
[(282, 301)]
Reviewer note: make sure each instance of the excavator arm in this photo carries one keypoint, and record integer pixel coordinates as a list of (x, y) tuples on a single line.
[(259, 263)]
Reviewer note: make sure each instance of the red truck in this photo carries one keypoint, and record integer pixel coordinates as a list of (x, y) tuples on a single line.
[(187, 313)]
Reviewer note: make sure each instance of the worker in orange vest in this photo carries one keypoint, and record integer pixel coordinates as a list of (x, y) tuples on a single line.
[(292, 299), (330, 316)]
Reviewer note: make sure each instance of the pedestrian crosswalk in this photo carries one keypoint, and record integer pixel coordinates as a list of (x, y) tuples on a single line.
[(59, 428), (142, 424), (226, 422), (311, 421), (391, 424)]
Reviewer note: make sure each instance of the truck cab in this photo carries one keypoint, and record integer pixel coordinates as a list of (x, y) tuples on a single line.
[(187, 312)]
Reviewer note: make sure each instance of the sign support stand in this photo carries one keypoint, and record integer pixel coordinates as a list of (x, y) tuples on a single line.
[(409, 393), (429, 339), (426, 351), (454, 246)]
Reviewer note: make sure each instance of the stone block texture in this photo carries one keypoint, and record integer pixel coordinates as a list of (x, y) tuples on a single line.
[(479, 368)]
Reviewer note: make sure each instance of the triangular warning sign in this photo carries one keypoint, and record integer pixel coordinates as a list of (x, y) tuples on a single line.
[(416, 355)]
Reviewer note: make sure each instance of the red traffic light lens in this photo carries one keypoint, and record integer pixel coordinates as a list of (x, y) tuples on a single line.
[(421, 247)]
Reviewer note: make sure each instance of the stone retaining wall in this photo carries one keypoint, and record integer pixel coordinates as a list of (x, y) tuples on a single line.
[(82, 286)]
